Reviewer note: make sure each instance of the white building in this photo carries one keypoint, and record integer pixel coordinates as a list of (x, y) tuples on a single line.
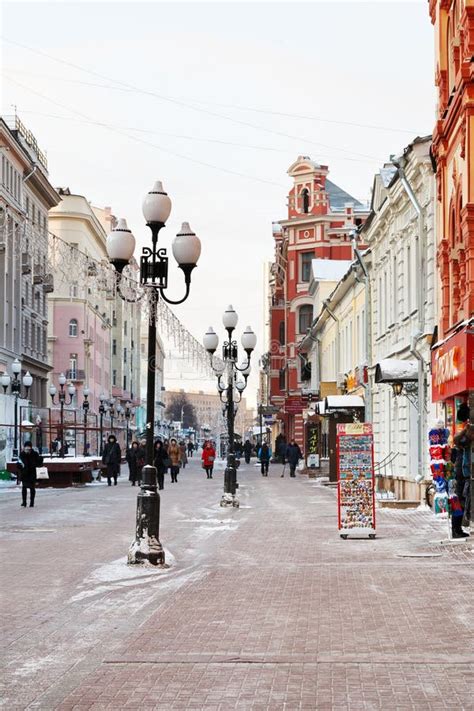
[(399, 238)]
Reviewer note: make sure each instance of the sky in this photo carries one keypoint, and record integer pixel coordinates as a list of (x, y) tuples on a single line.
[(217, 100)]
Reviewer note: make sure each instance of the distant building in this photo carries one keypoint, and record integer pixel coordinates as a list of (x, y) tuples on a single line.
[(321, 217), (26, 196)]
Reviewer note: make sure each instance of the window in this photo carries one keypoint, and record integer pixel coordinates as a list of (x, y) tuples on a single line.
[(114, 377), (124, 382), (408, 278), (282, 379), (281, 333), (114, 347), (73, 366), (73, 290), (124, 355), (305, 318), (125, 328), (73, 327), (305, 271), (305, 200), (27, 333), (395, 291), (114, 318)]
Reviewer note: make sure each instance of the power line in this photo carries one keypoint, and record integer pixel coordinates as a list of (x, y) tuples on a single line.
[(259, 110), (178, 102)]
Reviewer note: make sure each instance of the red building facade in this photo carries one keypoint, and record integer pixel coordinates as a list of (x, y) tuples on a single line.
[(321, 217), (453, 151)]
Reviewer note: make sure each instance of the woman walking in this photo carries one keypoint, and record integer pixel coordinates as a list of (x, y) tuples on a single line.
[(112, 457), (174, 455), (159, 461), (208, 457), (27, 463), (136, 460), (184, 456)]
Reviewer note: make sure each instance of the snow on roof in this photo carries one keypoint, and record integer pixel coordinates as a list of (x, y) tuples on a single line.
[(386, 371), (340, 402), (330, 269)]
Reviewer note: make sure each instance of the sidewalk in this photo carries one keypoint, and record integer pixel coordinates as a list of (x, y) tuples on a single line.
[(263, 608)]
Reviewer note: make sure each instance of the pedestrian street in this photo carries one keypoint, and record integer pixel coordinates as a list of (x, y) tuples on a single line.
[(260, 607)]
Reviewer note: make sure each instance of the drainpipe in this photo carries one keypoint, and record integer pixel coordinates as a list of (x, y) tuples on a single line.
[(368, 326), (400, 164)]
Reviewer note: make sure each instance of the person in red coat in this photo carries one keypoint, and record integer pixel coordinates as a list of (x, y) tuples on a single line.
[(208, 457)]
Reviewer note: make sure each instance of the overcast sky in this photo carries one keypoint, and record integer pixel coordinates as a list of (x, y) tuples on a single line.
[(196, 94)]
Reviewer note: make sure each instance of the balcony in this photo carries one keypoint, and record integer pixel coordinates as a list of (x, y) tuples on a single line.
[(76, 376)]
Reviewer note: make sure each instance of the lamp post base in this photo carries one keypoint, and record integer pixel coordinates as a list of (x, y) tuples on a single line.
[(230, 500), (146, 548)]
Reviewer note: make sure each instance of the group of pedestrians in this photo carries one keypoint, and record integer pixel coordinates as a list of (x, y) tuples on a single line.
[(290, 454)]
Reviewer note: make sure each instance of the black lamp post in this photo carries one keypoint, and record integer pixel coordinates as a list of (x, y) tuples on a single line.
[(128, 414), (154, 279), (103, 408), (15, 390), (62, 400), (85, 409), (230, 391)]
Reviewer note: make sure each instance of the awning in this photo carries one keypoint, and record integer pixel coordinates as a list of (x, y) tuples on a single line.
[(391, 370), (343, 402)]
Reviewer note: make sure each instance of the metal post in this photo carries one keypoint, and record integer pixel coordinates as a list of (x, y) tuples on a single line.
[(147, 546), (230, 474), (61, 421), (101, 429), (15, 434)]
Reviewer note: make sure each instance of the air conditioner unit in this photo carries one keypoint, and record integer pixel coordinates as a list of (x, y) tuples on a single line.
[(48, 283), (38, 274), (26, 263)]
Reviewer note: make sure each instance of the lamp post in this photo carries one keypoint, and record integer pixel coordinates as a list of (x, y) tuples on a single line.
[(62, 400), (15, 390), (103, 408), (128, 414), (85, 409), (230, 389), (112, 413), (154, 279)]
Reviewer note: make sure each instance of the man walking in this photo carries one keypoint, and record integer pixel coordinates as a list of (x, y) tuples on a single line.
[(27, 463), (264, 454), (293, 456)]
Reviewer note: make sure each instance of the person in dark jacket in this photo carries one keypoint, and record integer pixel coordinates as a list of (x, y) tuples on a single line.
[(136, 460), (293, 456), (27, 463), (264, 454), (190, 449), (463, 442), (112, 457), (247, 451), (280, 447), (159, 461)]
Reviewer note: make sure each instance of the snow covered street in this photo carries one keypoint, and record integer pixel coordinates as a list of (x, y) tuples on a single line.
[(262, 607)]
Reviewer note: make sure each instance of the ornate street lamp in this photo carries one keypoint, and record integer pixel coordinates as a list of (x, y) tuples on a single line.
[(230, 389), (103, 409), (154, 279), (85, 409), (15, 390), (62, 400)]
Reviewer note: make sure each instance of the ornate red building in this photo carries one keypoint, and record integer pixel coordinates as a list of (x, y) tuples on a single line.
[(321, 217), (453, 151)]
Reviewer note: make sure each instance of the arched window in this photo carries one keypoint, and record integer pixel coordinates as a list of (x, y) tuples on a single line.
[(73, 327), (305, 318), (281, 333), (305, 200)]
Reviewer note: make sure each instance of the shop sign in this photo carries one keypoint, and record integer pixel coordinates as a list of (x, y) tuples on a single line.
[(452, 369), (312, 444)]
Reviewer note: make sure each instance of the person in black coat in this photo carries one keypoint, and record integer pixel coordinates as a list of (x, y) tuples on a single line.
[(27, 463), (247, 451), (136, 460), (159, 461), (293, 456), (112, 457)]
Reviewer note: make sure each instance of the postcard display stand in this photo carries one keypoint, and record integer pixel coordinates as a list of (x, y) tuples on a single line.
[(355, 478)]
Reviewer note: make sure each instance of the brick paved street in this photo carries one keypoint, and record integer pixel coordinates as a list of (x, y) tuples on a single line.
[(261, 608)]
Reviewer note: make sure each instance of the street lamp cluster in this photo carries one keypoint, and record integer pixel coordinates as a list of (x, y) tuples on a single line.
[(230, 387), (186, 249), (15, 385), (62, 400)]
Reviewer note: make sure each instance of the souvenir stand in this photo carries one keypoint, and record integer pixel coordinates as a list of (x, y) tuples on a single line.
[(355, 478)]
